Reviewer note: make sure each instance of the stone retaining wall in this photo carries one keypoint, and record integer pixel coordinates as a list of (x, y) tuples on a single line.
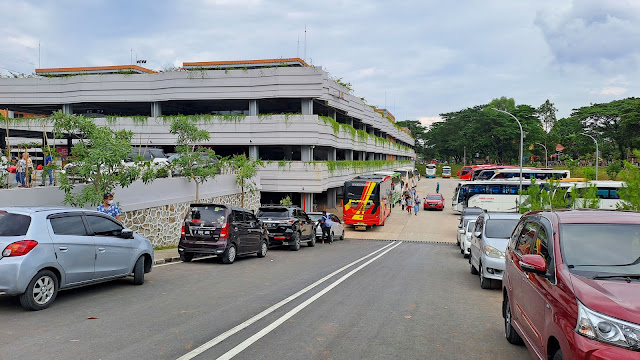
[(162, 224)]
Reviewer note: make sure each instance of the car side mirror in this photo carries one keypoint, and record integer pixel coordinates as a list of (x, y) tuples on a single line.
[(126, 234), (252, 224), (477, 234), (534, 264), (461, 231)]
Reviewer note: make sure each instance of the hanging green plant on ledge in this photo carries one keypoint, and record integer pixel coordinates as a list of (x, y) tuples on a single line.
[(332, 166)]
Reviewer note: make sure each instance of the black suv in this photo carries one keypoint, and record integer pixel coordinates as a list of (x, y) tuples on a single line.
[(288, 225), (221, 230)]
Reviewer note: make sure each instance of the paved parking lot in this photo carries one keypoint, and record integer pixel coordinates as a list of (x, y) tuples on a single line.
[(431, 226)]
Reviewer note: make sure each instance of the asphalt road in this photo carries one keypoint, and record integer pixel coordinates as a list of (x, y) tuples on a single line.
[(405, 301)]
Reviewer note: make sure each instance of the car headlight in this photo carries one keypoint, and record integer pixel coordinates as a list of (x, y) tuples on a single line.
[(492, 252), (600, 327)]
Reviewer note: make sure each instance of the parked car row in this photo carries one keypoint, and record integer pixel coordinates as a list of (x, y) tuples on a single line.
[(570, 279)]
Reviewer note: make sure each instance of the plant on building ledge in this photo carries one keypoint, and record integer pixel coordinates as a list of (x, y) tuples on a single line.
[(98, 158), (197, 164), (286, 201)]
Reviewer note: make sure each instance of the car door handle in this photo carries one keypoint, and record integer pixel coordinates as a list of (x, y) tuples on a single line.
[(63, 248), (102, 249)]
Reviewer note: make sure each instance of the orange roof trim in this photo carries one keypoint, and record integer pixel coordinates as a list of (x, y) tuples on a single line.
[(94, 69), (244, 62)]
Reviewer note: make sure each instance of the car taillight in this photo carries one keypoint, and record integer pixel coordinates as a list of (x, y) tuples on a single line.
[(182, 233), (224, 233), (19, 248)]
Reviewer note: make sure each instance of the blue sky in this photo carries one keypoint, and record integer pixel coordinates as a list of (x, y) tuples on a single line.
[(425, 57)]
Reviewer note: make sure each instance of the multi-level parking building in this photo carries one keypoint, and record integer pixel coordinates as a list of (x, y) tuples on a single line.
[(312, 132)]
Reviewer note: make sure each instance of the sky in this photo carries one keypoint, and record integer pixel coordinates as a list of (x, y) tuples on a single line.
[(418, 58)]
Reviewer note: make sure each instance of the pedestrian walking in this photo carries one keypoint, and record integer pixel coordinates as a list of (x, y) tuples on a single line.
[(22, 168), (409, 205), (30, 173), (325, 225), (109, 207), (47, 161), (437, 187), (416, 207), (403, 202)]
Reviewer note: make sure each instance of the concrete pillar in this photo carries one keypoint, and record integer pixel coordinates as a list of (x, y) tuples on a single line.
[(307, 107), (331, 198), (253, 108), (156, 109), (306, 153), (254, 152), (362, 155), (306, 202), (348, 154), (67, 108), (371, 156), (332, 154), (350, 121), (333, 113)]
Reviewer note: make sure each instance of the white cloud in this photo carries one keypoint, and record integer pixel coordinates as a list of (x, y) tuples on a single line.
[(615, 91), (429, 120)]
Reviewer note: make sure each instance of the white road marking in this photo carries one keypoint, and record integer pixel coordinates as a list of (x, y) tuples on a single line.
[(245, 344), (211, 343)]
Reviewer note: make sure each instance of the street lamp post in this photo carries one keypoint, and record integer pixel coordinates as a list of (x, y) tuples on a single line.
[(546, 157), (594, 140), (521, 146)]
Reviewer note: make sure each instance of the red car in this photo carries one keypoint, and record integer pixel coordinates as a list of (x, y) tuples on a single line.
[(571, 289), (433, 201)]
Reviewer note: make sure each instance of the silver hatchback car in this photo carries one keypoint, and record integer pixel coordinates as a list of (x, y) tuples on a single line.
[(46, 249)]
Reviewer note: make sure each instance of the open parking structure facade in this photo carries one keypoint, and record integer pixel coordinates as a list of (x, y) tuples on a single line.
[(310, 130)]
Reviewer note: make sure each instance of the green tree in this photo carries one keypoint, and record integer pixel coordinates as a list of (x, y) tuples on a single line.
[(286, 201), (589, 173), (630, 193), (547, 114), (614, 169), (613, 121), (245, 169), (197, 164), (98, 157)]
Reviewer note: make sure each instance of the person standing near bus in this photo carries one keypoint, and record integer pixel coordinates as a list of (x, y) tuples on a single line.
[(409, 205)]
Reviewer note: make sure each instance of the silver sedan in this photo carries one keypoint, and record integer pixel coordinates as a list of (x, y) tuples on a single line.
[(47, 249), (337, 228)]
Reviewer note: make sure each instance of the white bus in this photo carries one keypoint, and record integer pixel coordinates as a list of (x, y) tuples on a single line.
[(607, 193), (446, 171), (538, 174), (406, 174), (489, 195), (430, 171)]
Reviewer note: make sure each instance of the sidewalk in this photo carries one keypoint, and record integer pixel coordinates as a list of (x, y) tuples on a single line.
[(165, 256)]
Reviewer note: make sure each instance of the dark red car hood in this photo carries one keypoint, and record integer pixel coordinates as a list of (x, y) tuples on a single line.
[(433, 201), (613, 297)]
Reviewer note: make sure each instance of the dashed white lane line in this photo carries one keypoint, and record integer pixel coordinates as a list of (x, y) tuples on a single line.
[(211, 343)]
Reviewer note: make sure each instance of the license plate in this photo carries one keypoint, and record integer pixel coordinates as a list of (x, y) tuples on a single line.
[(361, 227), (202, 232)]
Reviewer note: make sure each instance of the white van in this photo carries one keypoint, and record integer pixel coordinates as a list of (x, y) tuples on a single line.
[(446, 171)]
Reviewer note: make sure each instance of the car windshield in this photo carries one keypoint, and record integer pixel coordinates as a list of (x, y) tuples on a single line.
[(434, 197), (206, 215), (315, 217), (273, 213), (471, 225), (13, 224), (606, 248), (500, 228)]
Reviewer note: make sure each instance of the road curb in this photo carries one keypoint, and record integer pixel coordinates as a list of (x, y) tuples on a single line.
[(166, 260), (411, 241)]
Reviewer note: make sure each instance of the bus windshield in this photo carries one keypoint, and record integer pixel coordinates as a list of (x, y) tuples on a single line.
[(354, 190)]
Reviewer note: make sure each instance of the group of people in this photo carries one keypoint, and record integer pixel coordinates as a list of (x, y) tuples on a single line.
[(25, 170), (410, 201)]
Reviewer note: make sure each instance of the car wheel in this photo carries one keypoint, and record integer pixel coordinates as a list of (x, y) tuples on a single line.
[(312, 242), (472, 270), (484, 282), (330, 237), (296, 242), (186, 257), (509, 332), (342, 236), (557, 355), (138, 271), (263, 249), (41, 291), (229, 255)]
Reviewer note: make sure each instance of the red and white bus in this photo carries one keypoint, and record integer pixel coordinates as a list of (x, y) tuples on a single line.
[(367, 200)]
